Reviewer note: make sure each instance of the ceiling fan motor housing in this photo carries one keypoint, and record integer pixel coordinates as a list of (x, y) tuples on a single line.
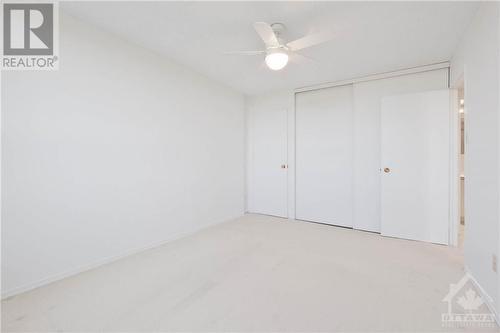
[(279, 30)]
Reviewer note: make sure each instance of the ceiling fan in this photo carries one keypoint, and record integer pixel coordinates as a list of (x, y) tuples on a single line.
[(277, 50)]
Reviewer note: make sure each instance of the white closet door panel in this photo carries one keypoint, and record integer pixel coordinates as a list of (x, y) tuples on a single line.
[(367, 97), (416, 148), (268, 153), (324, 156)]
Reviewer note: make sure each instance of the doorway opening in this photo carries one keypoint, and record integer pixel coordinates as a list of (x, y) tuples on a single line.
[(461, 158)]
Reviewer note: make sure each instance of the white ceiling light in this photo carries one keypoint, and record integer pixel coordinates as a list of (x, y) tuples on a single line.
[(276, 59), (277, 50)]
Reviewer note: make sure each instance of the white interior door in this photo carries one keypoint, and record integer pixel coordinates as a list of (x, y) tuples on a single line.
[(415, 170), (323, 188), (267, 182)]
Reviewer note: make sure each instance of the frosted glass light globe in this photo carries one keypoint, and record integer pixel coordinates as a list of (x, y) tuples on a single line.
[(276, 60)]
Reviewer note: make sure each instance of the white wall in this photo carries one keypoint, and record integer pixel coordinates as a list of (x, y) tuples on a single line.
[(498, 161), (477, 60), (117, 151)]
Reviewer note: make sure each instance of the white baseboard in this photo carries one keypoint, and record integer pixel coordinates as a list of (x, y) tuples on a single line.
[(486, 297), (42, 282)]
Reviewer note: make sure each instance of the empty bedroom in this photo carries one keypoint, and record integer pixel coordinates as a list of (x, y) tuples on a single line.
[(250, 166)]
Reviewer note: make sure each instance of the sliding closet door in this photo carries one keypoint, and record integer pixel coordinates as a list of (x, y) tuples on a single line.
[(416, 166), (324, 156)]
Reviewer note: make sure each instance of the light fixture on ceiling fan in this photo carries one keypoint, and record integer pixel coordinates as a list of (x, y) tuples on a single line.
[(277, 51), (276, 59)]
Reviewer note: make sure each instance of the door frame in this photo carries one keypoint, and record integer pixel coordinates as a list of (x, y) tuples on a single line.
[(454, 209)]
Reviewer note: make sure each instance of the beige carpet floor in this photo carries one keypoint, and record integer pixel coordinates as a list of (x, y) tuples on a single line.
[(254, 274)]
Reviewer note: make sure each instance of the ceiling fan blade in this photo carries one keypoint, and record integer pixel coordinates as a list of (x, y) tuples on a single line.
[(266, 33), (247, 53), (310, 40), (300, 58)]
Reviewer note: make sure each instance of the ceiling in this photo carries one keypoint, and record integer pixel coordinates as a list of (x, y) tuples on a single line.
[(370, 37)]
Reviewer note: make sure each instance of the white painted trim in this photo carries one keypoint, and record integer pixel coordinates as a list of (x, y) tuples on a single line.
[(454, 213), (246, 157), (378, 76), (287, 159), (290, 101), (295, 155), (487, 298), (99, 263)]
